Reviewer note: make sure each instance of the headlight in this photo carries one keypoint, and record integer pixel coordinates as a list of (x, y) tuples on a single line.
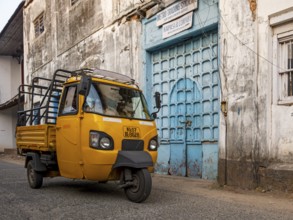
[(153, 145), (101, 141), (94, 139), (105, 142)]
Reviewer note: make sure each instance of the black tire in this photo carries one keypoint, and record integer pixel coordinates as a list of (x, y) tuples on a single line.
[(34, 178), (142, 186)]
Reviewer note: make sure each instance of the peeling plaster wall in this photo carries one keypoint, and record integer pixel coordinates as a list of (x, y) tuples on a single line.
[(258, 132), (280, 116), (238, 76), (76, 23), (38, 50), (92, 33)]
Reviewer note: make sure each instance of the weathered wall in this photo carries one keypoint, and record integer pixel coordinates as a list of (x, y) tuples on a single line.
[(256, 131), (281, 121), (238, 75), (92, 33), (38, 50)]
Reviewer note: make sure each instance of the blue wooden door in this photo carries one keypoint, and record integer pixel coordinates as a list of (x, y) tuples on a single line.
[(186, 75)]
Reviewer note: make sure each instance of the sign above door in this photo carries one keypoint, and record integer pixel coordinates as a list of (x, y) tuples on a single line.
[(176, 10)]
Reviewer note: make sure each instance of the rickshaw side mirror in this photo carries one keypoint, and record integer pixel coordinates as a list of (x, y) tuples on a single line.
[(84, 85), (158, 104), (154, 115), (158, 100)]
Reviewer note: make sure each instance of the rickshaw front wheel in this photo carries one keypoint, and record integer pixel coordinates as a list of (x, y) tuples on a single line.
[(141, 188)]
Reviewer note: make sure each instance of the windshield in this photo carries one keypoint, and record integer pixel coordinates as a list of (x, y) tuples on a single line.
[(116, 101)]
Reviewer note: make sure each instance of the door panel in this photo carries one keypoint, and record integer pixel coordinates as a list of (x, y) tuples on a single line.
[(194, 158), (68, 149), (177, 159), (186, 75), (68, 135)]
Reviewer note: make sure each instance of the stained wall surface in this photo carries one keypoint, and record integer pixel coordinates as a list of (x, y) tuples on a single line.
[(257, 129)]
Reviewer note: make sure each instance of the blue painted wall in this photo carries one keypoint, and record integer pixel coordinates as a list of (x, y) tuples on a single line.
[(205, 18), (184, 69)]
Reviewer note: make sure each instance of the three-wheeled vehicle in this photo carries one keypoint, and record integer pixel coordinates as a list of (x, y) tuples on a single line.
[(88, 124)]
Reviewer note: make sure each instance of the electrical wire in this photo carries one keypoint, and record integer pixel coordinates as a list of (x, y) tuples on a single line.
[(243, 44), (213, 55)]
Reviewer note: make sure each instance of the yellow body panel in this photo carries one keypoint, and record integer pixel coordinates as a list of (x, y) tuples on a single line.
[(36, 137), (114, 127), (68, 146)]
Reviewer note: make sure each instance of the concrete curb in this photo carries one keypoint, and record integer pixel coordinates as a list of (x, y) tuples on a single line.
[(277, 177), (9, 151)]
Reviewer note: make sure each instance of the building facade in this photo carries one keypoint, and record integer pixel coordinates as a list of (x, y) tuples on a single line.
[(223, 69), (183, 67), (256, 75), (177, 58)]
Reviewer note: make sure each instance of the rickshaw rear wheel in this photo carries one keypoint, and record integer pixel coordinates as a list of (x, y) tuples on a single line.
[(35, 179), (142, 185)]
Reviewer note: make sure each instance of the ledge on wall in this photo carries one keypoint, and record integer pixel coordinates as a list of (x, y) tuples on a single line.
[(12, 102), (277, 176)]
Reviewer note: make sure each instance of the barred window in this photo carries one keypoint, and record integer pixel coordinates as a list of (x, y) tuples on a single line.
[(286, 64), (39, 25), (282, 57), (73, 2)]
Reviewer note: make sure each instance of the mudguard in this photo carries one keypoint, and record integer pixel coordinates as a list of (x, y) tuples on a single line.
[(133, 159), (37, 164)]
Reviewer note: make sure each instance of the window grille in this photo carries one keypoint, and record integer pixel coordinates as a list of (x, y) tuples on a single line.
[(39, 25), (286, 64)]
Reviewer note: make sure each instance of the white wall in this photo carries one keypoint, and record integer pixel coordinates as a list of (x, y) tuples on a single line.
[(258, 128), (15, 76), (280, 117), (5, 82), (237, 71), (10, 75)]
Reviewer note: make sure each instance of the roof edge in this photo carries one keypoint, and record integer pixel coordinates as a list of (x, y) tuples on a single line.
[(20, 7), (11, 102)]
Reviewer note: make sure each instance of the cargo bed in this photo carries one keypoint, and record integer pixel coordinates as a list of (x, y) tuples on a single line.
[(36, 138)]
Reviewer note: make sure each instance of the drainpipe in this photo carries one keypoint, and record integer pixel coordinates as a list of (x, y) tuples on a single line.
[(22, 72), (224, 109), (226, 153)]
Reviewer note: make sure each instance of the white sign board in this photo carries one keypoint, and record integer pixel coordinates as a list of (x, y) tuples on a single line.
[(176, 10), (177, 26)]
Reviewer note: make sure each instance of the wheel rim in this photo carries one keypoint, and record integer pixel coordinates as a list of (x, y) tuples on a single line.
[(135, 186), (31, 175)]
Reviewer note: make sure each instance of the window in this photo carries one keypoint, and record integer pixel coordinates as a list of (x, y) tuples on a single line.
[(69, 101), (73, 2), (116, 101), (282, 56), (39, 25), (286, 64)]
